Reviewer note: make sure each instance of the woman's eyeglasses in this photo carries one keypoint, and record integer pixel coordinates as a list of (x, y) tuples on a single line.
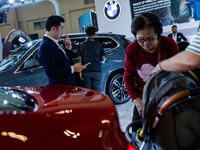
[(147, 39)]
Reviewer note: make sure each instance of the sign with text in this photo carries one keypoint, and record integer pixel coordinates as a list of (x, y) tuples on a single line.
[(149, 5), (15, 35), (168, 11)]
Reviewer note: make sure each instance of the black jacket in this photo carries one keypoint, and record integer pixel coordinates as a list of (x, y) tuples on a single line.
[(179, 37), (55, 63)]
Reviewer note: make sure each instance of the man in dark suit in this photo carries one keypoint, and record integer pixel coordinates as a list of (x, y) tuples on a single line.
[(176, 36), (53, 57)]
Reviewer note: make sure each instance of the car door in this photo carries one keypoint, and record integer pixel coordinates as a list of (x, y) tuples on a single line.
[(112, 70), (30, 72)]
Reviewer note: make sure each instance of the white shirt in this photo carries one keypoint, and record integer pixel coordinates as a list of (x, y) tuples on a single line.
[(195, 44), (56, 41), (174, 37)]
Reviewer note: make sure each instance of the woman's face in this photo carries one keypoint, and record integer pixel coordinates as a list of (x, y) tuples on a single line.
[(147, 39)]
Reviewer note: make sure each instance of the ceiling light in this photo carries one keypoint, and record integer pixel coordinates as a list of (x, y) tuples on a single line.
[(11, 1), (22, 1)]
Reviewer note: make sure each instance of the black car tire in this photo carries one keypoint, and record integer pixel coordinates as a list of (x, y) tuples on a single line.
[(117, 90)]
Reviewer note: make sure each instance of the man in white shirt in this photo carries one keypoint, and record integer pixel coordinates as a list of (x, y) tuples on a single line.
[(176, 36)]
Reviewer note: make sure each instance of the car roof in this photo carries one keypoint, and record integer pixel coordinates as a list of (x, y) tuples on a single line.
[(72, 35), (97, 34)]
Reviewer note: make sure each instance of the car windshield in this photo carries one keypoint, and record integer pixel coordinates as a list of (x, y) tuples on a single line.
[(14, 102), (12, 59)]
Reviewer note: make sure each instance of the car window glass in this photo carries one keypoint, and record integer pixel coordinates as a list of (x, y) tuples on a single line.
[(76, 44), (126, 43), (14, 57), (32, 62), (75, 47), (107, 43)]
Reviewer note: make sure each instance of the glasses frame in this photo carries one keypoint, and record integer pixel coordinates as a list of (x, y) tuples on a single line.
[(149, 40)]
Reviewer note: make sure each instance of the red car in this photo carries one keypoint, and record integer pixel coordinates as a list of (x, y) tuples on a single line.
[(58, 117)]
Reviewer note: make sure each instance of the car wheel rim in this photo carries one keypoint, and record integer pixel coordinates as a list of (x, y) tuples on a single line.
[(118, 89)]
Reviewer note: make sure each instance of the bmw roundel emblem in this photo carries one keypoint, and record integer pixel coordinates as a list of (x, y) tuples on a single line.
[(112, 10)]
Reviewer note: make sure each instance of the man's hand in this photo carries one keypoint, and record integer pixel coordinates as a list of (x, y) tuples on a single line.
[(67, 42), (78, 67), (138, 104)]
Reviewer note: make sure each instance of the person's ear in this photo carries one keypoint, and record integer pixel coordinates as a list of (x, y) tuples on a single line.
[(53, 28)]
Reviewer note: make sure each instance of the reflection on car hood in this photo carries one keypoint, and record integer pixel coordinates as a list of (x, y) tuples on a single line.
[(67, 117), (76, 101)]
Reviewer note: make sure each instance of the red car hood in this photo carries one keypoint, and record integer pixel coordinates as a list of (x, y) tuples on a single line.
[(67, 117), (80, 104)]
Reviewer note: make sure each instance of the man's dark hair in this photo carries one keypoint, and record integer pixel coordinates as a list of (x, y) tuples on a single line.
[(53, 20), (174, 26), (90, 30), (148, 20)]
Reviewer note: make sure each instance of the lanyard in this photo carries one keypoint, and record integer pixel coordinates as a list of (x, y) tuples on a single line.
[(62, 50), (57, 45)]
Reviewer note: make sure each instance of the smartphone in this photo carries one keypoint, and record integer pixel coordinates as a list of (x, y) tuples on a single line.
[(63, 36)]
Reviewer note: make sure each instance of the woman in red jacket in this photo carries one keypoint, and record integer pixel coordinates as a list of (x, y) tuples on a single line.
[(143, 54)]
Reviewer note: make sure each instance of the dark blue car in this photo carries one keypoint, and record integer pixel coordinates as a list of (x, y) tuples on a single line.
[(23, 68)]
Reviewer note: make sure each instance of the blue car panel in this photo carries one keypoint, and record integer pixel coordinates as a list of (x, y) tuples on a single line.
[(23, 67)]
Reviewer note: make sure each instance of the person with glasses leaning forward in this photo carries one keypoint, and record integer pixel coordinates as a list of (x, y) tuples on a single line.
[(183, 61), (142, 55)]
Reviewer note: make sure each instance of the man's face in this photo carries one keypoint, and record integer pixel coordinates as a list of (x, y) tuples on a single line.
[(58, 31), (174, 29)]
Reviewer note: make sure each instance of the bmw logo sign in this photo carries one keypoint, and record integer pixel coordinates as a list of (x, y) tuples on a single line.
[(112, 10)]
